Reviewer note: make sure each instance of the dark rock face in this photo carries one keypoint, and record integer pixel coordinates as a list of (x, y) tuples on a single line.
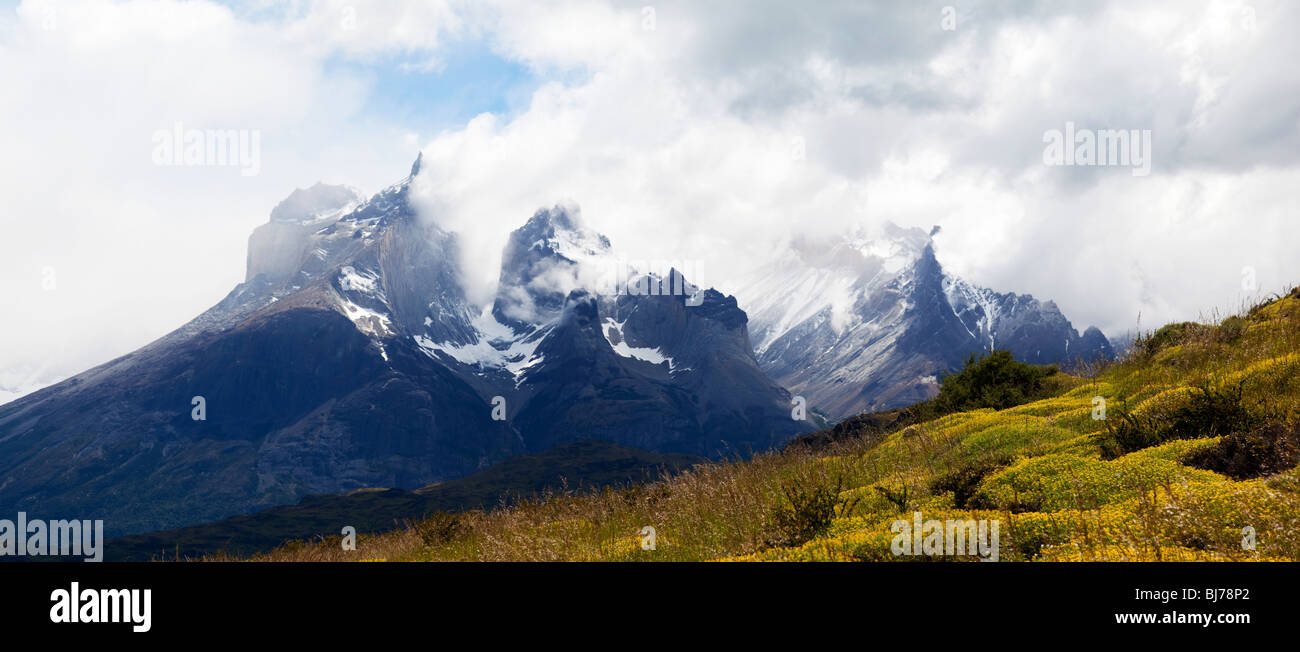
[(583, 389), (687, 384), (350, 358), (660, 365), (541, 264)]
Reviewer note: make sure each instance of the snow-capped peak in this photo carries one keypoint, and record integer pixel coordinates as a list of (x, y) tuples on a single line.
[(851, 323), (561, 231), (826, 279), (552, 254)]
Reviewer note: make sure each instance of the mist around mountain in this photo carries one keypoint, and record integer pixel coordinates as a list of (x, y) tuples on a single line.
[(350, 358)]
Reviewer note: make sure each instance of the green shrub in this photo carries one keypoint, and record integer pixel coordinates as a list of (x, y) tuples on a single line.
[(1128, 433), (438, 528), (808, 511), (1230, 330), (900, 498), (997, 381), (1164, 337)]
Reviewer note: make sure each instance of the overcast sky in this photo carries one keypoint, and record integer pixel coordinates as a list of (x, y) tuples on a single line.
[(711, 131)]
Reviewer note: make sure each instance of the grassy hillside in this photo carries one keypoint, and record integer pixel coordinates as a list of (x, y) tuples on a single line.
[(1198, 441)]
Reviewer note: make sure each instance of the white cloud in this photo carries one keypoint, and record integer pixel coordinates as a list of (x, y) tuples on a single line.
[(718, 135), (679, 144), (370, 30), (135, 250)]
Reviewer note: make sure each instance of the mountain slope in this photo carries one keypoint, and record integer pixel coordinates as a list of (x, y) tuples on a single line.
[(305, 386), (572, 467)]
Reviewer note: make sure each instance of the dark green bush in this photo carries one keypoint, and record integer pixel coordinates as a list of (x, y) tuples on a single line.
[(1165, 337), (997, 381), (900, 498), (1127, 433)]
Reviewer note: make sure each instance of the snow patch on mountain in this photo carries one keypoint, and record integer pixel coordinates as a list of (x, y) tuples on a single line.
[(352, 280), (370, 322), (497, 347), (613, 331)]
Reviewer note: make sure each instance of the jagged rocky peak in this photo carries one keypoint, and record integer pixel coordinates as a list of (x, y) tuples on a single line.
[(1093, 336), (865, 320), (552, 254), (823, 279), (560, 231)]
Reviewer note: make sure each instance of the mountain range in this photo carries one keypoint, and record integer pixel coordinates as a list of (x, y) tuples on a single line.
[(352, 357)]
